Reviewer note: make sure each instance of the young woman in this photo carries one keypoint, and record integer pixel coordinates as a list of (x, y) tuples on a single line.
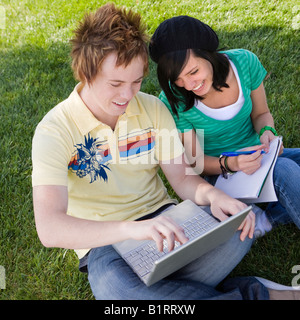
[(218, 97)]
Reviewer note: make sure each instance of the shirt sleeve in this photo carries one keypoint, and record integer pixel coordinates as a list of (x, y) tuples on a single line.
[(49, 157), (256, 70)]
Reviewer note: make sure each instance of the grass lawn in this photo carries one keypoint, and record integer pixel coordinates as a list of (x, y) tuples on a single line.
[(35, 75)]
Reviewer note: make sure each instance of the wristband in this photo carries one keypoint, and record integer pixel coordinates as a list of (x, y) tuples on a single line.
[(226, 166), (225, 170), (262, 130)]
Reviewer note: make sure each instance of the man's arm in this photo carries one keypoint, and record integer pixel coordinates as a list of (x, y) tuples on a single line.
[(57, 229)]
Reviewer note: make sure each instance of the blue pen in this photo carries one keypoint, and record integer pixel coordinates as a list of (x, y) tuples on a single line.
[(237, 153)]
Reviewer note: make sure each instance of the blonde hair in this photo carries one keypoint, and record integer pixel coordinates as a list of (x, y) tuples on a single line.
[(109, 29)]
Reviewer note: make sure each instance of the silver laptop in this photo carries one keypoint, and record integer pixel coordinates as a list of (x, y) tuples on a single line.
[(203, 230)]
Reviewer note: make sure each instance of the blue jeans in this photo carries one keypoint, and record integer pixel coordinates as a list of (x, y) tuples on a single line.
[(111, 278), (286, 178)]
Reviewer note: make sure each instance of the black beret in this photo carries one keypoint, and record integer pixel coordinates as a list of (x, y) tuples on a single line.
[(181, 33)]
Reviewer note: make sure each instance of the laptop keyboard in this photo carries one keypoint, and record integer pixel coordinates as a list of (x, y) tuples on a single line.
[(142, 258)]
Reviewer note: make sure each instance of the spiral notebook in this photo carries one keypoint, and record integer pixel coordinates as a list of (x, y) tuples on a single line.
[(257, 187)]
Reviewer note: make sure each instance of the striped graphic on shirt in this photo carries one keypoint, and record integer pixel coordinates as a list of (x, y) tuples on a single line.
[(93, 158), (136, 144)]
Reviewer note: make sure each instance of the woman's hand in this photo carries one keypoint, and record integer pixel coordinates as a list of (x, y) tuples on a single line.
[(266, 139), (247, 163)]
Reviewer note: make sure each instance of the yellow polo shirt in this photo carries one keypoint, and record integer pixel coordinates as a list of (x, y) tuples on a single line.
[(110, 175)]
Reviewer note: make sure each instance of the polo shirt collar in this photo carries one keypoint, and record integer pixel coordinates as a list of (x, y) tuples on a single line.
[(133, 108), (84, 118)]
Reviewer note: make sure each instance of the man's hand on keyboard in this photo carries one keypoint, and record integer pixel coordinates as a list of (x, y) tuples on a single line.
[(158, 229)]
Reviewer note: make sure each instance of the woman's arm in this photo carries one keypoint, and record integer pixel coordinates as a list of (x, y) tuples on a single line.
[(261, 116), (195, 157), (207, 165)]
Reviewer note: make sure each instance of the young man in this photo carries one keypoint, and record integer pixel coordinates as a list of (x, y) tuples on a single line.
[(95, 162)]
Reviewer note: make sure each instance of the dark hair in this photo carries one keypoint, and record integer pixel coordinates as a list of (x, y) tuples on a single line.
[(170, 66)]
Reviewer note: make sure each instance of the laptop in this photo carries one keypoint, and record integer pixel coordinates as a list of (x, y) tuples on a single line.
[(203, 230)]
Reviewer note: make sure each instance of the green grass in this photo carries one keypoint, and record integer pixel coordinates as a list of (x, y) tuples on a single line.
[(35, 75)]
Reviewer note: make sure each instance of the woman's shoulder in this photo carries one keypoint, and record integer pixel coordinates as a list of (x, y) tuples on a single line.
[(240, 55), (250, 68)]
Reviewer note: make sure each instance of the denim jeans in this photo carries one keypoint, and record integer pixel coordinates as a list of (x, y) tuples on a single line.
[(111, 278), (286, 178)]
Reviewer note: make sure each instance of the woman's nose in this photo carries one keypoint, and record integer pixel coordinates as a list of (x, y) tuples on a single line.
[(189, 84)]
